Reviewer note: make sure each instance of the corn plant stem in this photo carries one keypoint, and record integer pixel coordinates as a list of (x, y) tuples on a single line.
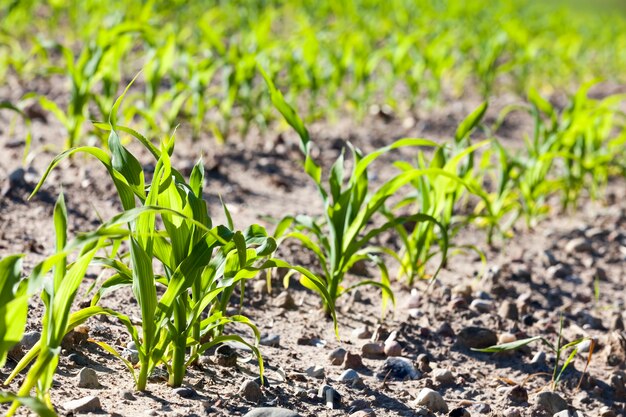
[(179, 346), (142, 379), (31, 379)]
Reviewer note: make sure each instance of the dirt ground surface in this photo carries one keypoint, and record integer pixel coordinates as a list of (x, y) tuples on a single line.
[(571, 266)]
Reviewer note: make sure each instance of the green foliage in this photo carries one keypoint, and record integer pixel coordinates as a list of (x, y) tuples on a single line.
[(347, 232), (558, 349)]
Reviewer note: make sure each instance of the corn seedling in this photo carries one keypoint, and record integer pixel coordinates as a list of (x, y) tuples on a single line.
[(559, 349), (200, 265), (59, 291), (345, 235), (447, 177)]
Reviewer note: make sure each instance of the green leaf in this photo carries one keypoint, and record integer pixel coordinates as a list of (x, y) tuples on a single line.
[(510, 346), (470, 122)]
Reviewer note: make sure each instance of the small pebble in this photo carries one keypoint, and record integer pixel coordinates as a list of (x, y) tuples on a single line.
[(459, 412), (362, 333), (508, 310), (285, 301), (373, 350), (506, 338), (271, 340), (398, 368), (329, 396), (315, 371), (578, 245), (481, 306), (88, 378), (337, 356), (79, 360), (90, 404), (352, 361), (539, 358), (184, 392), (364, 413), (432, 400), (271, 412), (607, 412), (517, 394), (551, 402), (251, 391), (349, 375), (477, 337), (443, 376), (392, 348), (512, 412)]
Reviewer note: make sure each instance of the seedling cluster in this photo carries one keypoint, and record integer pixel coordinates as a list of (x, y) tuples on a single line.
[(214, 69)]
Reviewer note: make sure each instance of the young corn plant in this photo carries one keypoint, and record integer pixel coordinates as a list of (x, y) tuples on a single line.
[(346, 233), (59, 291), (496, 183), (558, 349), (448, 176), (200, 265), (14, 296)]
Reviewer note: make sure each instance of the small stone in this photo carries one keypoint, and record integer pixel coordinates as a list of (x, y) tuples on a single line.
[(315, 371), (271, 412), (443, 376), (398, 368), (337, 356), (558, 271), (184, 392), (551, 402), (512, 412), (128, 395), (617, 324), (392, 348), (618, 383), (271, 340), (330, 396), (260, 286), (616, 344), (251, 391), (446, 330), (607, 412), (482, 408), (508, 310), (349, 375), (459, 412), (567, 413), (578, 245), (285, 300), (477, 337), (423, 363), (373, 350), (78, 359), (29, 339), (517, 394), (88, 378), (481, 306), (352, 361), (130, 355), (364, 413), (432, 400), (226, 356), (539, 358), (90, 404), (362, 333), (520, 272), (457, 304), (506, 338)]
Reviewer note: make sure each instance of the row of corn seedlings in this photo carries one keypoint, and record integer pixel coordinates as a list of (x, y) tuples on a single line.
[(349, 56), (164, 241)]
